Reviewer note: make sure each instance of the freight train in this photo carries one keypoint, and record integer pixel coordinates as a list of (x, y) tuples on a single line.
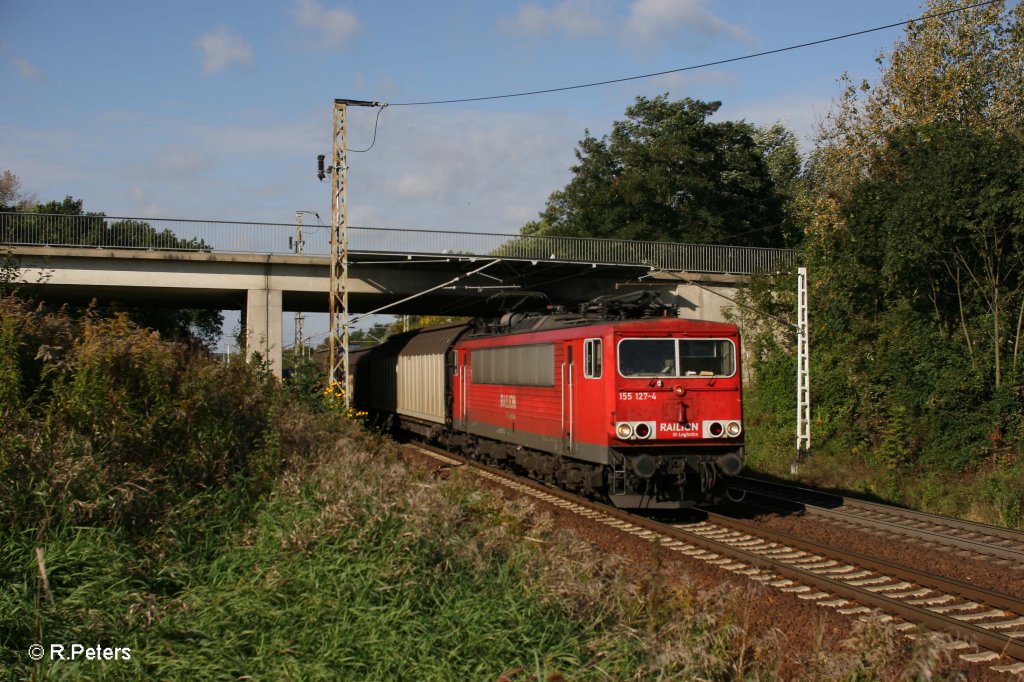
[(623, 402)]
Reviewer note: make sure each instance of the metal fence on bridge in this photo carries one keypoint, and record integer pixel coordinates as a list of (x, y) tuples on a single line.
[(26, 229)]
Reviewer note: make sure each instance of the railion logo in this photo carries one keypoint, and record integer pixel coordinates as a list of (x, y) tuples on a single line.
[(677, 428)]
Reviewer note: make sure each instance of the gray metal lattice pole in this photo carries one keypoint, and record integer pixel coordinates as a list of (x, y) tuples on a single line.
[(300, 317), (339, 315)]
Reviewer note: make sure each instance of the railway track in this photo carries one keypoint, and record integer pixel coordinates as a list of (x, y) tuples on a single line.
[(853, 584), (1000, 546)]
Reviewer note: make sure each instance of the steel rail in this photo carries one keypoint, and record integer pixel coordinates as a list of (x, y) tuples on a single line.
[(935, 535), (987, 638), (937, 582), (932, 537)]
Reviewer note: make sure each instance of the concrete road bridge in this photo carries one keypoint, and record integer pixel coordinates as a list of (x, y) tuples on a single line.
[(263, 270)]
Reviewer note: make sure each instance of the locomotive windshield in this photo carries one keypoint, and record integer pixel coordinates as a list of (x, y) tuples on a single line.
[(676, 358)]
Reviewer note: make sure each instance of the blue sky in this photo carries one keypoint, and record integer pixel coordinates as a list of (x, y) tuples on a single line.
[(217, 110)]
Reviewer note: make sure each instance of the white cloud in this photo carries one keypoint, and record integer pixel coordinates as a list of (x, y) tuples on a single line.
[(647, 22), (185, 161), (257, 140), (143, 204), (470, 170), (383, 86), (462, 170), (682, 83), (221, 49), (574, 17), (420, 185), (800, 112), (653, 20), (27, 70), (334, 25)]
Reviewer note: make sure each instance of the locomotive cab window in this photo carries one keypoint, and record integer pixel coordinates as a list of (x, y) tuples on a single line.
[(677, 358), (647, 357), (707, 357), (592, 358)]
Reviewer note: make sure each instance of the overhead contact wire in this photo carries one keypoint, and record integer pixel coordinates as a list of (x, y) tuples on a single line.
[(705, 65)]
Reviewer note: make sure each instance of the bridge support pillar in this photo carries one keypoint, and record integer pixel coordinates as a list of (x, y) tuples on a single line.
[(263, 326), (707, 300)]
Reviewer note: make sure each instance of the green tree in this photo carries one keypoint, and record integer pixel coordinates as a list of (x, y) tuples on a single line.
[(404, 323), (784, 162), (666, 173), (951, 88), (962, 65), (914, 239), (10, 191), (371, 336), (941, 219)]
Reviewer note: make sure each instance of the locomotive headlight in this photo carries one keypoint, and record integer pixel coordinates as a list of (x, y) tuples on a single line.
[(715, 429), (623, 430), (642, 430), (732, 429)]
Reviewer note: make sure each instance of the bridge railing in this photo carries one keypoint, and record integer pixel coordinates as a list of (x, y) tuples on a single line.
[(279, 238)]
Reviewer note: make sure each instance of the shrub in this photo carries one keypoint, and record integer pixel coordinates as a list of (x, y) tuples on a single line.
[(110, 425)]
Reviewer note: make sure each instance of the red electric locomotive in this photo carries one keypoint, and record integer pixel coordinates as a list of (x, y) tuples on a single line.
[(646, 413)]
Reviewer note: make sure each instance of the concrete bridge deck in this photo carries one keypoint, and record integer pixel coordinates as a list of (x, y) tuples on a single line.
[(266, 285), (229, 266)]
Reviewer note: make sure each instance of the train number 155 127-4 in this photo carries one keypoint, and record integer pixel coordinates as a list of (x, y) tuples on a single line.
[(637, 395)]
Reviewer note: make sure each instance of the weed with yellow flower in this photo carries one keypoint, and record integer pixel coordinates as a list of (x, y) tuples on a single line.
[(334, 401)]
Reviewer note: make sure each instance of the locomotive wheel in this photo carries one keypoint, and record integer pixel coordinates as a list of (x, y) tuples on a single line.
[(735, 495)]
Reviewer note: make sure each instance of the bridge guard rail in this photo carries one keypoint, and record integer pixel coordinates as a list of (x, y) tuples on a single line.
[(24, 229)]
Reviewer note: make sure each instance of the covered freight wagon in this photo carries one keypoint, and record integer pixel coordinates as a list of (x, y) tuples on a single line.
[(406, 375)]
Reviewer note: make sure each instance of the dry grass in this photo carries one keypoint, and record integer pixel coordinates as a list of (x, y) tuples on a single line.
[(220, 531)]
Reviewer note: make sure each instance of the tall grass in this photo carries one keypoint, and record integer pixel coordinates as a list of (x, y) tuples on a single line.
[(191, 512), (359, 567)]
